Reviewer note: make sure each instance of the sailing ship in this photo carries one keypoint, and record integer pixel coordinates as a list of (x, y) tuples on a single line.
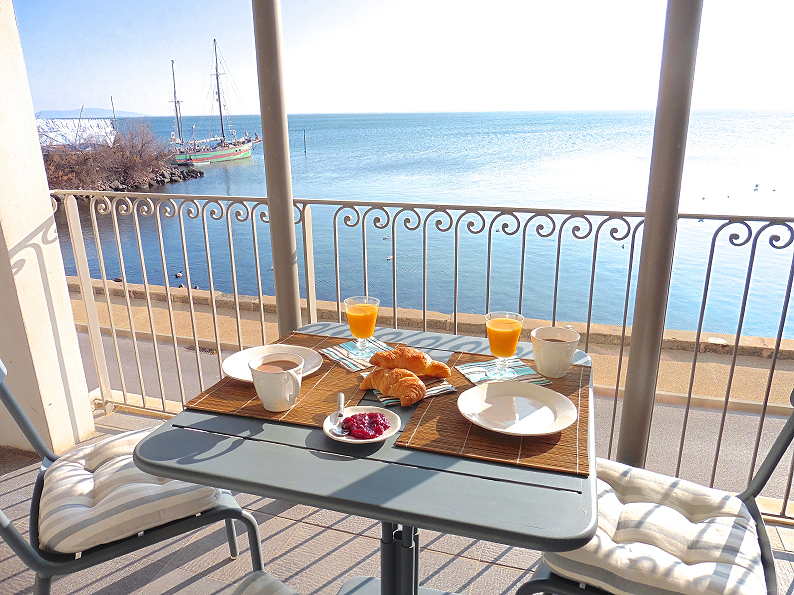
[(208, 150)]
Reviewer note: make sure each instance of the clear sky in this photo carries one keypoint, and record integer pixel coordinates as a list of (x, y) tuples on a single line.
[(403, 55)]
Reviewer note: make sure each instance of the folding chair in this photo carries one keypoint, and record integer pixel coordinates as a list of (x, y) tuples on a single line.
[(92, 504), (659, 535)]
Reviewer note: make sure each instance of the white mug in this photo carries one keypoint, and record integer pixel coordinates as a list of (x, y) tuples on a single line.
[(277, 387), (553, 348)]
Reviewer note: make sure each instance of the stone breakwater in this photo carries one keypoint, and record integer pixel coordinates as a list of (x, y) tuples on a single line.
[(167, 175)]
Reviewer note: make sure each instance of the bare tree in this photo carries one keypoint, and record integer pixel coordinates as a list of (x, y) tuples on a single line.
[(135, 158)]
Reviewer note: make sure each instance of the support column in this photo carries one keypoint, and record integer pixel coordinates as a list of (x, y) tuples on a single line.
[(661, 216), (267, 31), (38, 341)]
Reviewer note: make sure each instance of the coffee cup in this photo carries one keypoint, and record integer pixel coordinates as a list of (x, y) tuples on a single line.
[(277, 379), (553, 348)]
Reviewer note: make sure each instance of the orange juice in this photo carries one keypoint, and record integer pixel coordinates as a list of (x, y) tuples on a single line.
[(361, 318), (503, 336)]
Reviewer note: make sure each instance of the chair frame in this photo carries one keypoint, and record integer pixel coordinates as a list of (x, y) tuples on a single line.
[(47, 564), (546, 581)]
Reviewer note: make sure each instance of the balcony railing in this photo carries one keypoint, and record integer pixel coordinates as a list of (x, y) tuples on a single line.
[(440, 268)]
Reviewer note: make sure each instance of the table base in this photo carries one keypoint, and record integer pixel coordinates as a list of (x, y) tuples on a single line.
[(399, 564), (367, 585)]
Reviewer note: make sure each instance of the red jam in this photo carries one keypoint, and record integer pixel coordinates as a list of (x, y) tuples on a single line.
[(366, 426)]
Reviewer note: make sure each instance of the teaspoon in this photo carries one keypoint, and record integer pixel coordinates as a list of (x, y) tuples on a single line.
[(340, 415)]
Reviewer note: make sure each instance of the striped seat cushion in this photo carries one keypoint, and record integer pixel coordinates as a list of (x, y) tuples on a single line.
[(95, 494), (262, 583), (659, 535)]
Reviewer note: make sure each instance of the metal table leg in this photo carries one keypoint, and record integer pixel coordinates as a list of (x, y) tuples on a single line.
[(416, 560), (399, 566), (409, 575), (388, 559)]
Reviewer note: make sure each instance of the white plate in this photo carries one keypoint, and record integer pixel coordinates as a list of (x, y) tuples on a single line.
[(393, 418), (236, 365), (517, 408)]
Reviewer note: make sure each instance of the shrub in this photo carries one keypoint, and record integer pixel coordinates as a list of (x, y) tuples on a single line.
[(134, 159), (137, 153)]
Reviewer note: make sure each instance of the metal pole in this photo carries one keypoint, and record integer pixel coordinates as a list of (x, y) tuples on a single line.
[(176, 107), (267, 33), (218, 87), (388, 559), (661, 216), (407, 562)]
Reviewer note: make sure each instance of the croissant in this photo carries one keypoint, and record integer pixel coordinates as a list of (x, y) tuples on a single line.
[(411, 359), (396, 383)]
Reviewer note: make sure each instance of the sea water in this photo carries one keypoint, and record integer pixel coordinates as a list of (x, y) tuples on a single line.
[(736, 163), (582, 160)]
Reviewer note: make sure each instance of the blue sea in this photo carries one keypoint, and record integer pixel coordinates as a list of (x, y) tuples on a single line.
[(587, 160), (736, 163)]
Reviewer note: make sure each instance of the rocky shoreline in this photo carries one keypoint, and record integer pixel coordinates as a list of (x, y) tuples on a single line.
[(167, 175), (136, 160)]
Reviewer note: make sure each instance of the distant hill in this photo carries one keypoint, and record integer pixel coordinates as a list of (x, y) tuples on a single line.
[(89, 112)]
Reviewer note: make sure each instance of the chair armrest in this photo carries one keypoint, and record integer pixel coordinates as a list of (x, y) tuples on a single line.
[(772, 459), (19, 546)]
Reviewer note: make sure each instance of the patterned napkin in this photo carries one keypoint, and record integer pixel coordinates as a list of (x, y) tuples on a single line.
[(435, 386), (477, 372), (341, 354)]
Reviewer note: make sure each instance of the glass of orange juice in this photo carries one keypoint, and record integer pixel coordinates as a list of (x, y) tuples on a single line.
[(504, 329), (362, 312)]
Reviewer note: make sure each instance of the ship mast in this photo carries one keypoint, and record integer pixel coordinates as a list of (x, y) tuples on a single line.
[(218, 87), (176, 106)]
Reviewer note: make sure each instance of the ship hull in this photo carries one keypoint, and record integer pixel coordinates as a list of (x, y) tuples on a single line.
[(213, 155)]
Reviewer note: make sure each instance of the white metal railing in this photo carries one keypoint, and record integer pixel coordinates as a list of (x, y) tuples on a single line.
[(444, 263)]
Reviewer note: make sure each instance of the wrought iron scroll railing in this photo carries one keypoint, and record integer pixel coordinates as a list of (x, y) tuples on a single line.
[(439, 268)]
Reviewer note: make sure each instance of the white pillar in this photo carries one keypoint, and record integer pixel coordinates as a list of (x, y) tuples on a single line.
[(658, 236), (38, 341), (267, 33)]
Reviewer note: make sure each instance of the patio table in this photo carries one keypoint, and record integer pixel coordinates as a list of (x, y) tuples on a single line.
[(508, 504)]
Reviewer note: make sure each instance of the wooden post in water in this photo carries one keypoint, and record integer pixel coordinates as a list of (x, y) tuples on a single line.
[(304, 142)]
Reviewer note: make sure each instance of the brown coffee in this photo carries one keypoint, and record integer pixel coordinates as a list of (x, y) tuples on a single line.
[(278, 365), (555, 340)]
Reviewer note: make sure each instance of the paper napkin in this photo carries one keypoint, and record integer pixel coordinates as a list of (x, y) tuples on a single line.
[(477, 372), (342, 354)]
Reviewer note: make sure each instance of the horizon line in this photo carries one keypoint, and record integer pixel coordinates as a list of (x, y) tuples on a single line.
[(431, 112)]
